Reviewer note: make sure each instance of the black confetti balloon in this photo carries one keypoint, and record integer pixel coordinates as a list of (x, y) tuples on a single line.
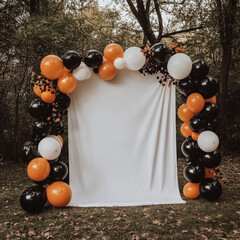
[(71, 60), (29, 152), (209, 111), (93, 59), (212, 159), (197, 124), (186, 86), (33, 199), (40, 110), (161, 53), (210, 189), (194, 172), (208, 87), (200, 69)]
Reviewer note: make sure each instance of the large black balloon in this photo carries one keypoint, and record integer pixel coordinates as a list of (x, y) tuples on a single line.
[(33, 199), (211, 125), (186, 86), (200, 69), (29, 152), (161, 53), (197, 124), (59, 171), (62, 101), (41, 128), (93, 59), (39, 109), (211, 189), (194, 172), (208, 87), (209, 111), (71, 60), (190, 149), (211, 159)]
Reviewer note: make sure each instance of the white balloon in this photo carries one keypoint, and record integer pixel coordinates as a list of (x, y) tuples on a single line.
[(119, 63), (134, 58), (208, 141), (179, 66), (55, 137), (49, 148), (82, 72)]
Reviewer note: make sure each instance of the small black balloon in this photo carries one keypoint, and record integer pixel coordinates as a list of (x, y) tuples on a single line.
[(71, 60), (33, 199), (183, 98), (29, 151), (93, 59), (40, 110), (161, 53), (57, 128), (190, 149), (208, 87), (96, 70), (62, 101), (211, 125), (186, 86), (200, 69), (41, 128), (197, 124), (59, 171), (194, 172), (210, 189), (212, 159), (209, 111)]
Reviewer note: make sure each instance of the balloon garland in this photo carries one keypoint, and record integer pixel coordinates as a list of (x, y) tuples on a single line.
[(59, 78)]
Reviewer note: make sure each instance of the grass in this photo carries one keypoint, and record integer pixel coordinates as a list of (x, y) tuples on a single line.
[(197, 219)]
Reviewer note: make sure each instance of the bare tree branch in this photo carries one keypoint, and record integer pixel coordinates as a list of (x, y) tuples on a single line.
[(160, 24), (60, 3), (181, 31)]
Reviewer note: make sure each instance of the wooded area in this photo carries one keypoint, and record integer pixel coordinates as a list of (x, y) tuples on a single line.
[(31, 29)]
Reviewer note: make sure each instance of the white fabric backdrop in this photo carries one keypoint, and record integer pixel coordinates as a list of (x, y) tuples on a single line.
[(122, 142)]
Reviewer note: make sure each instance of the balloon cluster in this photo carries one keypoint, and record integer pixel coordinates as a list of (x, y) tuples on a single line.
[(199, 115)]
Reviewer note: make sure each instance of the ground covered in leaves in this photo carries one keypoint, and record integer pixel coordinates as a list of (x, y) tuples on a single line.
[(197, 219)]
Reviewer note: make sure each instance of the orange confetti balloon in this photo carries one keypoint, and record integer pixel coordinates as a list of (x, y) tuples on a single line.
[(37, 91), (184, 113), (48, 97), (51, 66), (107, 71), (59, 194), (195, 102), (186, 130), (67, 83), (38, 169), (112, 52), (191, 190)]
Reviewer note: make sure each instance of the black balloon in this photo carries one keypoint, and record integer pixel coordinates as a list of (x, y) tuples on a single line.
[(190, 149), (183, 98), (211, 125), (197, 124), (71, 60), (62, 101), (29, 152), (41, 128), (194, 172), (200, 69), (59, 171), (161, 53), (96, 70), (39, 109), (93, 59), (212, 159), (57, 128), (210, 189), (209, 111), (186, 86), (208, 87), (33, 199)]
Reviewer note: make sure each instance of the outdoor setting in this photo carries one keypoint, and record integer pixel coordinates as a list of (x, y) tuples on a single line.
[(120, 119)]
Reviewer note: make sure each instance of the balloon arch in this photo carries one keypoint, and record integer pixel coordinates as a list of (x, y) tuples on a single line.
[(59, 78)]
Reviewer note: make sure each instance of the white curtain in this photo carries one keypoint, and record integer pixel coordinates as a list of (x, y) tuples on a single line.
[(122, 142)]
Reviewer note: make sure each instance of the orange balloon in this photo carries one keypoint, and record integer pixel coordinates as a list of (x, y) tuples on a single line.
[(67, 83), (107, 71), (59, 194), (209, 173), (37, 91), (195, 136), (51, 66), (186, 130), (184, 113), (48, 97), (212, 99), (38, 169), (195, 102), (60, 138), (191, 190), (64, 71), (112, 52)]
